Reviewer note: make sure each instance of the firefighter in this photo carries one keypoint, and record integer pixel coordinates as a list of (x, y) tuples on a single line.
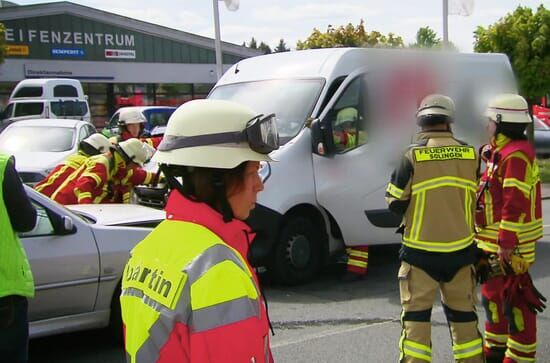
[(434, 189), (188, 291), (109, 177), (509, 222), (92, 145), (131, 123)]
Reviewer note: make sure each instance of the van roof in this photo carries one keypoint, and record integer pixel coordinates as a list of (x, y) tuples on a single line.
[(45, 81), (329, 63), (49, 122)]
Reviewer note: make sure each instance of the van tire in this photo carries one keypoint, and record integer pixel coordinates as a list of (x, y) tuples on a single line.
[(115, 318), (297, 255)]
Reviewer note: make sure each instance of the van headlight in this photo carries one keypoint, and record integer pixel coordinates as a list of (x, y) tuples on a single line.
[(264, 171)]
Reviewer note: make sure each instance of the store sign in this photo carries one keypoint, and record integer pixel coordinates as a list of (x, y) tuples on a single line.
[(120, 53), (17, 50), (72, 70), (67, 52), (69, 38)]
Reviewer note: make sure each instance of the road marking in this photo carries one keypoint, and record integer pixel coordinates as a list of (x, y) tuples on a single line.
[(327, 334)]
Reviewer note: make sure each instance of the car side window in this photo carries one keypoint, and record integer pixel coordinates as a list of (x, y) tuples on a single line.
[(43, 226), (347, 118), (83, 133)]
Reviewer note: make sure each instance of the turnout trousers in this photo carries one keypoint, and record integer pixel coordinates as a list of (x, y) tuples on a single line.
[(418, 292), (510, 336)]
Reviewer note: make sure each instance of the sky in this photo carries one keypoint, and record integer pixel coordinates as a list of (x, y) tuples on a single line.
[(293, 20)]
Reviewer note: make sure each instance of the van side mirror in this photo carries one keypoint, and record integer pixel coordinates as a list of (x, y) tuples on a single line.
[(320, 139)]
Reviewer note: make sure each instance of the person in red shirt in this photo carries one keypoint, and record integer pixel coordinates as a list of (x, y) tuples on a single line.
[(217, 312), (509, 222), (92, 145), (131, 124), (109, 177)]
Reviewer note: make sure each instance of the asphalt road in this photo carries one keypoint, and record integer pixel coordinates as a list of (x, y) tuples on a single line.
[(325, 321)]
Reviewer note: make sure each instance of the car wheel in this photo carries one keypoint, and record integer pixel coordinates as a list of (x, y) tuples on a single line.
[(297, 255), (115, 319)]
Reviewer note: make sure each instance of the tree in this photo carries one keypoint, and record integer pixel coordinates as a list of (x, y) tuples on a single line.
[(252, 44), (264, 48), (2, 42), (426, 37), (281, 47), (524, 37), (349, 36)]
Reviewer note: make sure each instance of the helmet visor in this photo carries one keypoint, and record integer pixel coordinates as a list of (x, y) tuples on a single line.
[(260, 134)]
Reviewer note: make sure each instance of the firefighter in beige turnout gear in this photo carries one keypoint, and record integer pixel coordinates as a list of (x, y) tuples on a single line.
[(434, 188)]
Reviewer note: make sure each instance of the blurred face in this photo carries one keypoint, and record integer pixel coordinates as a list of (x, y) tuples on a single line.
[(242, 197), (491, 128), (134, 129)]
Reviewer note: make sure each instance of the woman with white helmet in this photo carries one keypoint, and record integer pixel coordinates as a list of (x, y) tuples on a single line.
[(189, 293), (131, 124)]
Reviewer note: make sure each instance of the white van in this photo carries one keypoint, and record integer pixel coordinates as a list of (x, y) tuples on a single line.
[(47, 98), (322, 195)]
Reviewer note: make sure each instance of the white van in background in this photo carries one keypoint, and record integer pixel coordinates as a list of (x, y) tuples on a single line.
[(46, 98), (321, 195)]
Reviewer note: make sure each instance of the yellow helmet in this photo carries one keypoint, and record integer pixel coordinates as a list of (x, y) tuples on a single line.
[(216, 134), (510, 108)]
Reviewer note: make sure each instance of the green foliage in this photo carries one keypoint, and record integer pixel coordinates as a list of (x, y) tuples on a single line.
[(264, 48), (281, 47), (252, 44), (525, 37), (544, 170), (349, 36), (426, 37), (2, 42)]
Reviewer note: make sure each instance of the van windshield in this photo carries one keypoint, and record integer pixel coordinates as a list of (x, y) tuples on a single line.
[(292, 100), (28, 109), (37, 139)]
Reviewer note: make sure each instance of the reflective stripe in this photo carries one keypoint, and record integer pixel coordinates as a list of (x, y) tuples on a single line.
[(446, 181), (520, 227), (394, 191), (224, 314), (516, 183), (356, 253), (450, 246), (489, 219), (417, 350), (362, 264), (83, 195), (468, 207), (148, 178), (468, 350), (418, 215), (501, 338), (525, 348), (94, 176), (517, 358)]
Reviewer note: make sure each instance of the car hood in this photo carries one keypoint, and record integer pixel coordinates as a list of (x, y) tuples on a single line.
[(39, 161), (119, 214)]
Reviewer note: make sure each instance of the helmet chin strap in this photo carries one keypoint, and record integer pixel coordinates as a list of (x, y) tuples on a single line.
[(225, 208)]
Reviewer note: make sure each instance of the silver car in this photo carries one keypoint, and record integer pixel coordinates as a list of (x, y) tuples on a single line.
[(77, 258)]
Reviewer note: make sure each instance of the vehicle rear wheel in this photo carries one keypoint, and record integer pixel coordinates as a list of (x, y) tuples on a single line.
[(297, 255), (115, 320)]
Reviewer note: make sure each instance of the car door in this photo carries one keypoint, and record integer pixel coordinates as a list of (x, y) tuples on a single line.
[(351, 174), (65, 265)]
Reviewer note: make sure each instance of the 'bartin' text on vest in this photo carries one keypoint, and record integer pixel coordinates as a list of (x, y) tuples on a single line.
[(445, 153), (155, 282)]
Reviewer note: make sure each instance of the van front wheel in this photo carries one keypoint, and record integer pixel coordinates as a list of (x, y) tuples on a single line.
[(298, 253)]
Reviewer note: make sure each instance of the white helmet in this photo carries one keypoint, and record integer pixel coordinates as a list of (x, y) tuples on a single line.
[(130, 115), (136, 151), (216, 134), (436, 104), (508, 107), (99, 142)]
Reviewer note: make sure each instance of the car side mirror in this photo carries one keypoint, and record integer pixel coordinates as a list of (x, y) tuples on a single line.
[(67, 225), (318, 138)]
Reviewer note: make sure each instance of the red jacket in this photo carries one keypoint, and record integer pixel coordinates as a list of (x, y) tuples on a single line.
[(509, 213), (233, 341), (57, 176), (103, 178), (153, 141)]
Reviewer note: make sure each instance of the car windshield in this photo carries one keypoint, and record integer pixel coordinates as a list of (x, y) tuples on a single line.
[(292, 100), (37, 139), (539, 124)]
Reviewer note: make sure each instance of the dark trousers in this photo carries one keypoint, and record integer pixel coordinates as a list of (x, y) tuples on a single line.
[(14, 329)]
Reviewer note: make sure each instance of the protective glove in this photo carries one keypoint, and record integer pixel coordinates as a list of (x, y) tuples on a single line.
[(518, 264), (531, 296)]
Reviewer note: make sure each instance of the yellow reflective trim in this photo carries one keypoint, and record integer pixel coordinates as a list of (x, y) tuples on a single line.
[(83, 195), (525, 348), (361, 264), (94, 176), (394, 191), (520, 227), (359, 254), (445, 181), (488, 207), (439, 246), (231, 283), (517, 358), (502, 338), (417, 350), (486, 246), (418, 216), (468, 207), (518, 319), (468, 350), (516, 183), (493, 308), (148, 178), (444, 153)]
